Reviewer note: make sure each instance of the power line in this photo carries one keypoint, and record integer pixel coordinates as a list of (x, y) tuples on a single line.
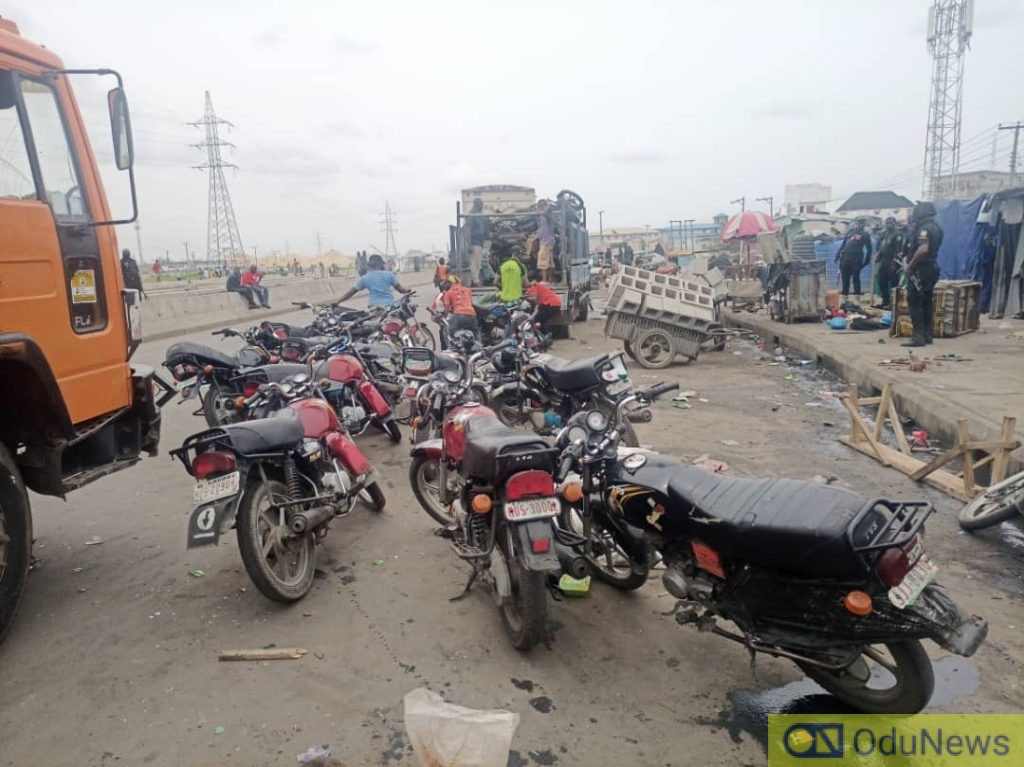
[(223, 243), (1016, 128)]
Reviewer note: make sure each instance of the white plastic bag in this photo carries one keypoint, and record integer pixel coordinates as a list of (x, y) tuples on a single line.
[(445, 735)]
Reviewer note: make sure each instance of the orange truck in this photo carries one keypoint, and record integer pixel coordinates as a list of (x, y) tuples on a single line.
[(73, 407)]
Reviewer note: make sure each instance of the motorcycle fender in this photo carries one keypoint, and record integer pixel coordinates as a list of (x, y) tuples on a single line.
[(208, 521), (526, 534), (430, 448), (632, 539), (346, 451), (375, 402)]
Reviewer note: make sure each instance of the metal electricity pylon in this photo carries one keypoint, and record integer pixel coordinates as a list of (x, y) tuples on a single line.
[(387, 222), (223, 243), (950, 25)]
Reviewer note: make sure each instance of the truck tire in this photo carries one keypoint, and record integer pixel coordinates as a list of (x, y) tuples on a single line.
[(15, 539), (583, 310)]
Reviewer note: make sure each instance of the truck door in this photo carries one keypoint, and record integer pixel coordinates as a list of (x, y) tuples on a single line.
[(53, 286)]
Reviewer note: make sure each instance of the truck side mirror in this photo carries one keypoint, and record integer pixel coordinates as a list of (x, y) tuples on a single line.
[(121, 129)]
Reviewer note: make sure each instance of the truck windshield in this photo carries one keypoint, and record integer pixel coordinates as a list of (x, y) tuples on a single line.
[(56, 159), (15, 170)]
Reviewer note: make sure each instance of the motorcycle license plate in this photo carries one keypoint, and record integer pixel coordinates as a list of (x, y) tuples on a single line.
[(188, 392), (909, 589), (536, 508), (211, 489), (617, 388)]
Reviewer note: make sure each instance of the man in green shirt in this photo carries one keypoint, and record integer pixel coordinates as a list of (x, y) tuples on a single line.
[(511, 280)]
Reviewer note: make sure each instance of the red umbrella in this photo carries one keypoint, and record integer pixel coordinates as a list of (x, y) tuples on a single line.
[(747, 224)]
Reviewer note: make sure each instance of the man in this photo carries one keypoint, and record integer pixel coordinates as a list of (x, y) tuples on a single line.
[(477, 239), (890, 246), (234, 285), (853, 254), (251, 279), (546, 238), (378, 282), (440, 274), (922, 272), (458, 301), (549, 305), (511, 279), (130, 272)]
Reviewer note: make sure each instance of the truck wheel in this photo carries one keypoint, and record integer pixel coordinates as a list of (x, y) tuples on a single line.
[(15, 539), (583, 311)]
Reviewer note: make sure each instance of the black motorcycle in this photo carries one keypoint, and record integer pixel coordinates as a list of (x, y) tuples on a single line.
[(839, 584)]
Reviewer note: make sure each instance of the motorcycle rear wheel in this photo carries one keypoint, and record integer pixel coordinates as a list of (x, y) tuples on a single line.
[(423, 337), (390, 427), (998, 503), (612, 565), (425, 477), (906, 668), (525, 612), (213, 410), (372, 496), (279, 563)]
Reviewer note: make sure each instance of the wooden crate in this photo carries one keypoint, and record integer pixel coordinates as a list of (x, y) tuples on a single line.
[(957, 309)]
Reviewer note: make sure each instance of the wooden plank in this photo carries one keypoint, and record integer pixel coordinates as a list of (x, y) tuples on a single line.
[(856, 423), (270, 653), (897, 427), (937, 463), (883, 406), (992, 446), (870, 401), (999, 465), (963, 433), (940, 480), (854, 415), (984, 461)]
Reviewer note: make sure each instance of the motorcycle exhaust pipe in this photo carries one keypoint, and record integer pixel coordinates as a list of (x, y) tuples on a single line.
[(572, 565), (304, 521)]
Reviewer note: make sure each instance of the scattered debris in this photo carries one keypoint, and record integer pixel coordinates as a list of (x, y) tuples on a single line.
[(77, 569), (708, 463), (267, 653), (197, 573), (94, 541), (574, 587), (378, 563), (729, 442), (82, 589), (918, 366), (443, 733), (313, 753), (824, 479), (776, 407), (218, 730), (685, 394), (790, 377)]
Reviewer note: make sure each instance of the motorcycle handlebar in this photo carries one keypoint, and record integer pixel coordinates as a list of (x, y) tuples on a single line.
[(657, 390), (564, 467)]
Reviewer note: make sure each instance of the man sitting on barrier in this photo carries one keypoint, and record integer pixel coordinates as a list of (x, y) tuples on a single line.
[(235, 285), (251, 279)]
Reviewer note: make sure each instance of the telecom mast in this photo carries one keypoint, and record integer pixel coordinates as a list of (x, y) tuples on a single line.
[(223, 243), (387, 222), (950, 24)]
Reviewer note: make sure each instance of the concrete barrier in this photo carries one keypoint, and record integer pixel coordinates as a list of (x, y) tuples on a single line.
[(175, 313)]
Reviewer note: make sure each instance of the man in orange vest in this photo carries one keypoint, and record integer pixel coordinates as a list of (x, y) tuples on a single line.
[(440, 274), (549, 305), (458, 300)]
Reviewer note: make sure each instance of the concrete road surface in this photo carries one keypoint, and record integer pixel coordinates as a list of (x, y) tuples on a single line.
[(113, 659)]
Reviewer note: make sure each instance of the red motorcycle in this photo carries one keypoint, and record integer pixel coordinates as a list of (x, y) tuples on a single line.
[(491, 487), (355, 398), (400, 326), (280, 482)]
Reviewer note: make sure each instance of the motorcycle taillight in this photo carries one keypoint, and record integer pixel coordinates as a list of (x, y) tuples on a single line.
[(250, 388), (526, 483), (184, 371), (213, 462), (894, 564)]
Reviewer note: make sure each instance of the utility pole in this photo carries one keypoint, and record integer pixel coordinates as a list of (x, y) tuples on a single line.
[(771, 204), (1016, 128), (675, 225), (689, 234), (600, 226), (741, 200), (138, 242), (223, 243), (387, 222), (186, 255)]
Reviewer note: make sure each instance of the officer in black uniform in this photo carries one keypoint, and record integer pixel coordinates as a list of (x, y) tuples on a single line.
[(853, 254), (922, 272), (890, 248)]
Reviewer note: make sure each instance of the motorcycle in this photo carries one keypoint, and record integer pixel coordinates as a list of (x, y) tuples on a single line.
[(400, 327), (838, 584), (355, 398), (279, 482), (212, 375), (491, 488), (547, 390)]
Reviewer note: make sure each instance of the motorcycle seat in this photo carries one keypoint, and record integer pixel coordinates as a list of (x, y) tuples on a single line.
[(293, 331), (791, 525), (266, 435), (573, 375), (202, 353), (275, 373), (487, 439)]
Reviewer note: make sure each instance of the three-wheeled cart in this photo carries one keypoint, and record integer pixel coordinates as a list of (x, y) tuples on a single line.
[(660, 316)]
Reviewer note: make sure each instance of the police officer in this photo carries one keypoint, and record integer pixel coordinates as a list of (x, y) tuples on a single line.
[(890, 247), (853, 254), (922, 272)]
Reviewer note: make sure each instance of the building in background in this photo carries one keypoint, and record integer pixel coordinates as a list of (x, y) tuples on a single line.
[(974, 183), (807, 198), (880, 204), (640, 238)]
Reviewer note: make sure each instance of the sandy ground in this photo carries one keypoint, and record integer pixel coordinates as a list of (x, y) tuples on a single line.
[(114, 657)]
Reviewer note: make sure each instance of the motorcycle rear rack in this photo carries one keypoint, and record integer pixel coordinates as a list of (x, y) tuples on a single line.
[(906, 521)]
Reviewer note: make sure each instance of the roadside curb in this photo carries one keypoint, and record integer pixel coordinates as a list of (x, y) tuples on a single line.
[(935, 413)]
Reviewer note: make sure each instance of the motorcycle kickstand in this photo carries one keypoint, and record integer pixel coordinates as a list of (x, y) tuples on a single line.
[(469, 584)]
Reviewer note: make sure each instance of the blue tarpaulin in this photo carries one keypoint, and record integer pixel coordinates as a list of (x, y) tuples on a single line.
[(961, 237), (826, 251)]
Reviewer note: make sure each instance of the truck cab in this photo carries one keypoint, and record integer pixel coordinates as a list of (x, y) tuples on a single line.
[(73, 407), (493, 219)]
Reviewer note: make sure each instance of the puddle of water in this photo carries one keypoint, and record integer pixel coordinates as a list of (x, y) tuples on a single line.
[(955, 677)]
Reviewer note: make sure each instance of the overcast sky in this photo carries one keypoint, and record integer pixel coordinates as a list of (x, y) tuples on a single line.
[(649, 110)]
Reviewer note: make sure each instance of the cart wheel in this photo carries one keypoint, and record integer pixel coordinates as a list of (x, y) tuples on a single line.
[(654, 348), (628, 347)]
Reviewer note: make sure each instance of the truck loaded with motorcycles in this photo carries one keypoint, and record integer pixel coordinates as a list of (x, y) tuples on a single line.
[(74, 406)]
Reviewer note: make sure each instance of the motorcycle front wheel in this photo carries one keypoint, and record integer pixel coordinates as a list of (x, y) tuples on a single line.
[(894, 678), (425, 479), (372, 497), (523, 614), (390, 427), (998, 503), (423, 337), (280, 563), (610, 563)]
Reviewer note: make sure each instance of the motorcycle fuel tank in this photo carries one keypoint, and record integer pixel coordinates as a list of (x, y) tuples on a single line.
[(318, 418), (342, 367), (454, 432)]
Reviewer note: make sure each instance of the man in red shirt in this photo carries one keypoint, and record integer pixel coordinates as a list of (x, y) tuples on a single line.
[(549, 305), (458, 300), (251, 279)]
